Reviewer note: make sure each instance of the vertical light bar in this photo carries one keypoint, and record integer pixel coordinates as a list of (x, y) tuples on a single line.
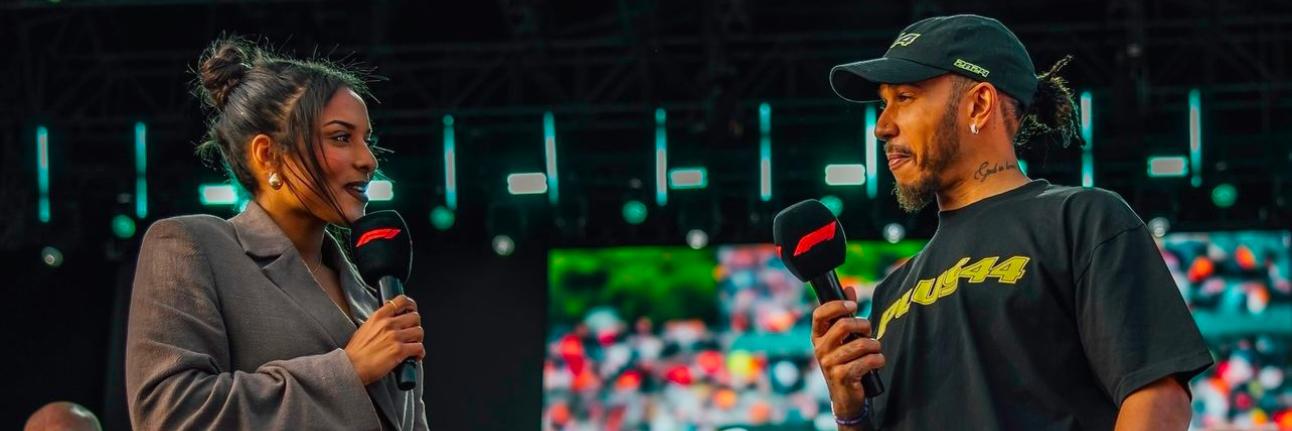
[(661, 158), (765, 152), (42, 172), (872, 153), (549, 142), (1195, 136), (1087, 135), (141, 170), (450, 166)]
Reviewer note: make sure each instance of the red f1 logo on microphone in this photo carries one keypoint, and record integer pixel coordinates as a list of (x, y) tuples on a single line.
[(825, 233), (376, 234)]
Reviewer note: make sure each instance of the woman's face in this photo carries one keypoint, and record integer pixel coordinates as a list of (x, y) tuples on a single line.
[(344, 153)]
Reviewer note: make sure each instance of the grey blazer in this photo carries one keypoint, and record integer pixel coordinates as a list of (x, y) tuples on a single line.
[(228, 330)]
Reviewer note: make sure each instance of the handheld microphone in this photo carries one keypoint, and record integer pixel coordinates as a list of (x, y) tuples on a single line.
[(383, 253), (810, 240)]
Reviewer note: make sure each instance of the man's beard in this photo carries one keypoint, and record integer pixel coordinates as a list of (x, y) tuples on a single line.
[(945, 149)]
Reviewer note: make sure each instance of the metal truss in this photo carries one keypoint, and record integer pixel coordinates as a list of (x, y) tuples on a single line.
[(710, 62)]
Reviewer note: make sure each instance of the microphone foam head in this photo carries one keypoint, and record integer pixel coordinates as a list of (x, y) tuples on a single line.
[(381, 246), (809, 239)]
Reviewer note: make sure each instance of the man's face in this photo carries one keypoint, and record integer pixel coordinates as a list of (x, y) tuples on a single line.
[(919, 127)]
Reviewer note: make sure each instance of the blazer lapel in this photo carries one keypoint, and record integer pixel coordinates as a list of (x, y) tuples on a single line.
[(363, 302), (262, 239)]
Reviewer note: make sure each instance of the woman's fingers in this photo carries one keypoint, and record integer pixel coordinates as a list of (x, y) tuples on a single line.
[(394, 307), (410, 335), (410, 350), (406, 320)]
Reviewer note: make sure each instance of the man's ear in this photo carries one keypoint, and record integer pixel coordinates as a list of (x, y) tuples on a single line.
[(982, 103)]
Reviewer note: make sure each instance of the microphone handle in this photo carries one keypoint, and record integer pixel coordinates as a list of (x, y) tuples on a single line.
[(828, 289), (406, 372)]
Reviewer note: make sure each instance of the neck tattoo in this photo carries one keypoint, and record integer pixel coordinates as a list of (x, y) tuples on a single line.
[(984, 170)]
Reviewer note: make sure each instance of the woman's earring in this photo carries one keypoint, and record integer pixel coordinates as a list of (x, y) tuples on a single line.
[(275, 181), (973, 128)]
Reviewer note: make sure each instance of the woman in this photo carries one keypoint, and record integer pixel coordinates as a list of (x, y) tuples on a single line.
[(260, 321)]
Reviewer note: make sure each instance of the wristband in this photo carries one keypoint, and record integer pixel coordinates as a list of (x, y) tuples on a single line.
[(865, 413)]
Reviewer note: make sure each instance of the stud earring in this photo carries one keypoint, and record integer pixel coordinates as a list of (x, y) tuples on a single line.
[(973, 128), (275, 181)]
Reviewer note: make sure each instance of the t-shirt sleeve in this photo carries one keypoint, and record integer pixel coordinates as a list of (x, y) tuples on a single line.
[(1134, 326)]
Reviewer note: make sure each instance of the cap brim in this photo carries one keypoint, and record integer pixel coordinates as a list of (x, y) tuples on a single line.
[(859, 82)]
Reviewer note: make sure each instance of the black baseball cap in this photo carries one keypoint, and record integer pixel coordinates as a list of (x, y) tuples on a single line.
[(973, 46)]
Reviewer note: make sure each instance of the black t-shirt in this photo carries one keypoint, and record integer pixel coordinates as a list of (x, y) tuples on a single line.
[(1040, 308)]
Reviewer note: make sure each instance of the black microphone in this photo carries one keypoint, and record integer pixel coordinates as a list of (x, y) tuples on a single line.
[(811, 243), (383, 253)]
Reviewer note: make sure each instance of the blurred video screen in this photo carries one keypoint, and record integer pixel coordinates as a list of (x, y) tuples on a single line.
[(1237, 285), (664, 338), (670, 338)]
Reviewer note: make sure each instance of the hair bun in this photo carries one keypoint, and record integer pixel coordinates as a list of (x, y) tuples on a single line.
[(223, 67)]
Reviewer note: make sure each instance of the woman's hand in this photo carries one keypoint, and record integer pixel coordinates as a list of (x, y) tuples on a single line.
[(393, 334)]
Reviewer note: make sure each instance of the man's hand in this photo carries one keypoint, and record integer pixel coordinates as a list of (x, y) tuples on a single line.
[(845, 352)]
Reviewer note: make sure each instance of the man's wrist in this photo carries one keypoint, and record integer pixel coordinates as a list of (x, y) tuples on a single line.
[(850, 410), (853, 415)]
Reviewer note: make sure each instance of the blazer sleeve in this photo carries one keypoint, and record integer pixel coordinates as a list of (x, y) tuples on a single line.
[(178, 372), (419, 413)]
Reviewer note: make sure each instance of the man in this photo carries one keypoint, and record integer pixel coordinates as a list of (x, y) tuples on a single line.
[(1034, 306)]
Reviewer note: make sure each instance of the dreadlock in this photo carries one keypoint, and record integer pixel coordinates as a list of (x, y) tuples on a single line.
[(1052, 115)]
